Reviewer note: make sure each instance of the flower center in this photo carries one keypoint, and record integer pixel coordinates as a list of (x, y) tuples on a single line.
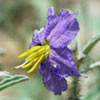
[(36, 55)]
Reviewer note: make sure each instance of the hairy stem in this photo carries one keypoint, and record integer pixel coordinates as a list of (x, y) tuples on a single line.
[(74, 92)]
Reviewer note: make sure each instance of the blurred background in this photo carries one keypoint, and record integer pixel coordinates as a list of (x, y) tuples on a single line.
[(19, 19)]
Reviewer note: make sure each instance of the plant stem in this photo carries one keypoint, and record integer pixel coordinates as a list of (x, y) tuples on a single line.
[(74, 93)]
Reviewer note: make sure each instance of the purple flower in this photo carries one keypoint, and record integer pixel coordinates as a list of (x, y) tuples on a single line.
[(50, 53)]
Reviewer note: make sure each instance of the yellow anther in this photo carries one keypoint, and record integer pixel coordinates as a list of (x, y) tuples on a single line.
[(36, 64), (30, 63), (34, 49), (36, 54)]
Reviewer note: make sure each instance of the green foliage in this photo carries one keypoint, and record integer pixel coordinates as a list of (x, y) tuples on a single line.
[(82, 54), (91, 67), (9, 81), (94, 65), (91, 44)]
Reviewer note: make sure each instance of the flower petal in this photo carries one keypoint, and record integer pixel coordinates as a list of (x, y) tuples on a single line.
[(52, 81), (65, 64), (37, 37), (53, 20), (61, 29), (51, 11), (64, 33)]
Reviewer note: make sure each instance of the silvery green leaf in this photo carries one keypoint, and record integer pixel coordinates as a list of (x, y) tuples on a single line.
[(90, 44), (12, 80), (97, 64), (92, 66), (80, 56), (4, 74)]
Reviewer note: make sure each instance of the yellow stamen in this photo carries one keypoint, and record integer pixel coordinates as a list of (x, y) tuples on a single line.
[(46, 55), (36, 64), (30, 63), (36, 54), (34, 49)]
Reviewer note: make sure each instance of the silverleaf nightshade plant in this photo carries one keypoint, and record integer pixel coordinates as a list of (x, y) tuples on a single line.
[(49, 50)]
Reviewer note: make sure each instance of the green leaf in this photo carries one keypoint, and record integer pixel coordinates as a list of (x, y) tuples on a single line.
[(4, 74), (97, 64), (93, 94), (92, 66), (90, 45), (12, 80)]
